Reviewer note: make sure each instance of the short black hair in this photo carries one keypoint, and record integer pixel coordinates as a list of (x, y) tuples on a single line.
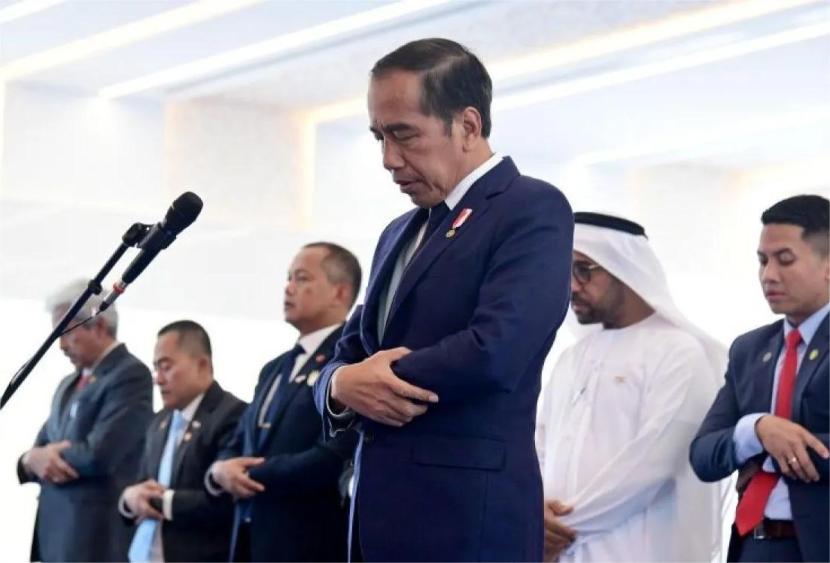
[(341, 266), (452, 78), (191, 334), (810, 212)]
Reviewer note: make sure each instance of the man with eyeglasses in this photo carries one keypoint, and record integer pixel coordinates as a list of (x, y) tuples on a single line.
[(621, 408)]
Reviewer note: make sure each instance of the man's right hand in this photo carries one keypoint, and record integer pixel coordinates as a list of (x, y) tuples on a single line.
[(371, 389), (787, 442), (137, 498), (558, 536), (46, 462), (232, 476)]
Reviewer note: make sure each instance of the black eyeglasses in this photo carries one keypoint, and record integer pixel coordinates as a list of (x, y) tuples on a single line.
[(582, 271)]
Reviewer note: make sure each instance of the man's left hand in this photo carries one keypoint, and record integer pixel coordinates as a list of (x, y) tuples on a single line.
[(558, 536), (137, 498)]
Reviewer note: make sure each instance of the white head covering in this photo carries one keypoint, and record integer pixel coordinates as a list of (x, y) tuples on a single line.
[(630, 258)]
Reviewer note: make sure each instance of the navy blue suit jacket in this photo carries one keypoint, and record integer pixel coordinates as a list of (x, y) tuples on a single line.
[(748, 389), (480, 310), (300, 516)]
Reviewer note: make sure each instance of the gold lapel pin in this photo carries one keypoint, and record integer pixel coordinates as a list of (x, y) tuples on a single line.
[(163, 424), (187, 436), (196, 424), (92, 379), (814, 353), (450, 233), (312, 377), (767, 357)]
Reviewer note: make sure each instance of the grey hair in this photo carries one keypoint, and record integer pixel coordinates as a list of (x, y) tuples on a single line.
[(66, 296)]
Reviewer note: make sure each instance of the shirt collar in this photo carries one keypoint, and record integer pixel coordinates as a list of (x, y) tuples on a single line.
[(464, 185), (311, 341), (90, 370), (809, 326), (190, 409)]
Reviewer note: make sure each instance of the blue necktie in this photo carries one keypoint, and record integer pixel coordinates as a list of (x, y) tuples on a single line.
[(285, 373), (142, 543)]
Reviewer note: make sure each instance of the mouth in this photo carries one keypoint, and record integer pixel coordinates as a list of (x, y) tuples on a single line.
[(774, 295), (407, 186)]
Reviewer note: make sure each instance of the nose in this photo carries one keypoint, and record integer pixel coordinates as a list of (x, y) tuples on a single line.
[(769, 272), (289, 287), (392, 159)]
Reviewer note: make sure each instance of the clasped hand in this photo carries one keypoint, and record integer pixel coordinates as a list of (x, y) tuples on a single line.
[(46, 462), (372, 389), (232, 476), (787, 442), (137, 498)]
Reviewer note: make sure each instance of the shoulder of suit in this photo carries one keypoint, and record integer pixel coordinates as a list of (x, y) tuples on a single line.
[(534, 196), (755, 337)]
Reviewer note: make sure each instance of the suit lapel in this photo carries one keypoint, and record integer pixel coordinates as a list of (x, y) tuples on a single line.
[(765, 365), (476, 199), (212, 397), (155, 449), (380, 282), (814, 355), (305, 378)]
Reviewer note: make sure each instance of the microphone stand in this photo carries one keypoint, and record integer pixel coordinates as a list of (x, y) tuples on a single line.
[(132, 237)]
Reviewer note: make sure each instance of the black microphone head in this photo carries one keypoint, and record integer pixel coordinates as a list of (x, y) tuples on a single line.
[(182, 213)]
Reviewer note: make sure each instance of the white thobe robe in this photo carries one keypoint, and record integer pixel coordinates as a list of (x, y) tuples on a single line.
[(616, 422)]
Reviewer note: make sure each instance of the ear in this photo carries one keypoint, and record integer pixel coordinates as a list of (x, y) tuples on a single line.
[(470, 124)]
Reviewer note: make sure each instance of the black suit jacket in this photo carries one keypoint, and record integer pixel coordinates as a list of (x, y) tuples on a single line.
[(748, 389), (78, 521), (201, 526), (300, 516)]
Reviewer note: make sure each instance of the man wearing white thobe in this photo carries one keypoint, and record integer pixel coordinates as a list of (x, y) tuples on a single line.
[(621, 409)]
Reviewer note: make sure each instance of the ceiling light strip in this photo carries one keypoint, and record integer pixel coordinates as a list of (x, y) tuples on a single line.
[(122, 36), (25, 8), (640, 35), (583, 85), (269, 48)]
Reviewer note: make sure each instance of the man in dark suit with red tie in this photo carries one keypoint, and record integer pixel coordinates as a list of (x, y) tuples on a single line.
[(282, 473), (770, 421), (441, 367), (89, 448)]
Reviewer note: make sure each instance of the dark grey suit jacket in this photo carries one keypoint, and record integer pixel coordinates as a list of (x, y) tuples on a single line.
[(201, 526), (106, 421)]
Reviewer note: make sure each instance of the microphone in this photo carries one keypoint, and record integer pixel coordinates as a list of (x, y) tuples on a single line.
[(181, 214)]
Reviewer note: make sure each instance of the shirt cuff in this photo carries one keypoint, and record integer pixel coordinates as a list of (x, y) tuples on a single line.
[(211, 485), (167, 504), (124, 509), (745, 439), (345, 414)]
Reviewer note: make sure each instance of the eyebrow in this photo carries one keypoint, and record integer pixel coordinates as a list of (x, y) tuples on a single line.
[(391, 128)]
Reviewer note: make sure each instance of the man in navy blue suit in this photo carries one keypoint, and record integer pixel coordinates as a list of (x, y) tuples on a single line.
[(770, 421), (283, 475), (440, 368)]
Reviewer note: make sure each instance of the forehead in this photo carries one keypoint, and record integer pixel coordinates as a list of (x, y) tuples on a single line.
[(167, 343), (579, 257), (394, 96), (308, 258), (781, 236)]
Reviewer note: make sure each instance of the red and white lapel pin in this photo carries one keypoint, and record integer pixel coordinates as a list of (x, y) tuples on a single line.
[(460, 220)]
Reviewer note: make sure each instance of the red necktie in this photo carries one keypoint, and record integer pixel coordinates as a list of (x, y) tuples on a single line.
[(751, 507), (82, 382)]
